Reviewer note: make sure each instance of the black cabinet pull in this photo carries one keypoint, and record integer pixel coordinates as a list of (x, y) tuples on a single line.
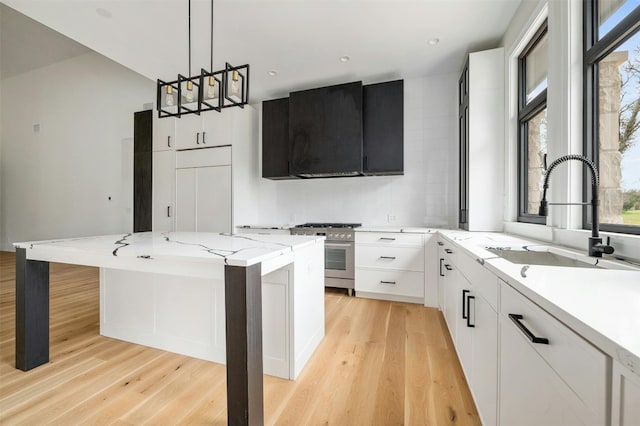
[(168, 211), (440, 243), (387, 239), (465, 314), (203, 137), (388, 257), (169, 141), (516, 319), (448, 251), (441, 273), (469, 310), (198, 138), (388, 282), (448, 267)]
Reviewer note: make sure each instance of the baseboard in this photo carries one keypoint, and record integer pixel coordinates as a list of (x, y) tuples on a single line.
[(390, 297)]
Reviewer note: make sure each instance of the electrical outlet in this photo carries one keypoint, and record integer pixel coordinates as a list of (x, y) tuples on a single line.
[(391, 218)]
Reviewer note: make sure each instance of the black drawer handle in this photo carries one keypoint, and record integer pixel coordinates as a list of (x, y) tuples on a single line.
[(387, 239), (465, 314), (448, 251), (469, 299), (169, 141), (388, 257), (388, 282), (516, 319), (198, 138), (441, 273), (448, 267), (440, 243), (203, 137), (168, 211)]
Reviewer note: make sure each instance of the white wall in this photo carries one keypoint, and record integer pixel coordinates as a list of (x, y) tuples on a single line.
[(424, 195), (56, 182)]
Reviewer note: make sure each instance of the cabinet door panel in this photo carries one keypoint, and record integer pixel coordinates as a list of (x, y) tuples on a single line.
[(484, 376), (217, 128), (163, 190), (451, 300), (275, 139), (186, 200), (164, 133), (213, 199), (463, 331), (383, 124), (531, 392), (189, 132)]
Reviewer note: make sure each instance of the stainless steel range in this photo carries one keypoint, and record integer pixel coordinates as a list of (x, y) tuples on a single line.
[(339, 251)]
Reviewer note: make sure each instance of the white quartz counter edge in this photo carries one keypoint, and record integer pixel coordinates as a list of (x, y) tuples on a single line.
[(406, 230), (602, 305), (202, 247)]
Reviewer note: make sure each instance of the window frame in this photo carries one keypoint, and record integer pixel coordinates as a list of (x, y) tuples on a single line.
[(594, 51), (526, 111)]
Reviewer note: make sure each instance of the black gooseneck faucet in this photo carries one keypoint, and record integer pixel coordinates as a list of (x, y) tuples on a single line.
[(596, 248)]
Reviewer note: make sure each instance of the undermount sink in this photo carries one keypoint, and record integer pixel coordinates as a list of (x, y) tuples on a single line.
[(544, 257)]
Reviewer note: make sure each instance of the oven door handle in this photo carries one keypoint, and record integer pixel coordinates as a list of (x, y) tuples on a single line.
[(337, 245)]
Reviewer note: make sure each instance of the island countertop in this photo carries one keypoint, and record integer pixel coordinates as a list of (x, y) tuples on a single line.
[(225, 249)]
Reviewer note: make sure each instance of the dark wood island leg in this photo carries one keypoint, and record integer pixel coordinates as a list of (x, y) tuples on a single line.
[(32, 311), (243, 313)]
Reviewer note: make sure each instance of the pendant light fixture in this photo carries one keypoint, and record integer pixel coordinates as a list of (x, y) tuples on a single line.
[(207, 91), (225, 88)]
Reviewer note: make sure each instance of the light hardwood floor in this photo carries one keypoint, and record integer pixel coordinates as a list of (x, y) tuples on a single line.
[(379, 363)]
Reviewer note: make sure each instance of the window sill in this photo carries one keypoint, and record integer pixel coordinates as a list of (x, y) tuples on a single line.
[(626, 245)]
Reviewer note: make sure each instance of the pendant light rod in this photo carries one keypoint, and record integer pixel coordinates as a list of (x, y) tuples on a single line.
[(211, 67), (189, 38)]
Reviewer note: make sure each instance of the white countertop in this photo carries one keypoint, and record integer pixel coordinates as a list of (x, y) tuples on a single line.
[(602, 305), (265, 226), (225, 249), (396, 229)]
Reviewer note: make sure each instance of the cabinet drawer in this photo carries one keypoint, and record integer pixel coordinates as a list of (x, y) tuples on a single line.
[(390, 282), (484, 281), (396, 258), (203, 157), (580, 365), (389, 239)]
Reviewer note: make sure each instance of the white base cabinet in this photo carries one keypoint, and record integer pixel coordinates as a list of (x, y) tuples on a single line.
[(625, 399), (561, 382), (390, 266), (470, 307), (185, 314)]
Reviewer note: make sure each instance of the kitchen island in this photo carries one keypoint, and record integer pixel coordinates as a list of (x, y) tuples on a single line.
[(191, 293)]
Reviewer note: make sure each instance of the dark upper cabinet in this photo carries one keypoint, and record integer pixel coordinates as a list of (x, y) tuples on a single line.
[(275, 139), (325, 131), (383, 118)]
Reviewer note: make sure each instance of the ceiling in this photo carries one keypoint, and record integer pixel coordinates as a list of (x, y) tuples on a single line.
[(302, 40)]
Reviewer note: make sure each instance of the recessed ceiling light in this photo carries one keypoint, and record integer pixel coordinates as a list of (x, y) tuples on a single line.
[(272, 73), (103, 12), (433, 41), (345, 58)]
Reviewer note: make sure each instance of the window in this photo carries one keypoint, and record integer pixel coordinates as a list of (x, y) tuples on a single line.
[(532, 124), (612, 110)]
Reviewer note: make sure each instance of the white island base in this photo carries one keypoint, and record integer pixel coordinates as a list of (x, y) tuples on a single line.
[(185, 314)]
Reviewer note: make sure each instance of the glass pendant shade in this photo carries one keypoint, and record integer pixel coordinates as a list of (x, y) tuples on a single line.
[(189, 94), (167, 99)]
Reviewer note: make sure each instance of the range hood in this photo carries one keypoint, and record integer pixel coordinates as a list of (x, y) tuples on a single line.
[(325, 131)]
